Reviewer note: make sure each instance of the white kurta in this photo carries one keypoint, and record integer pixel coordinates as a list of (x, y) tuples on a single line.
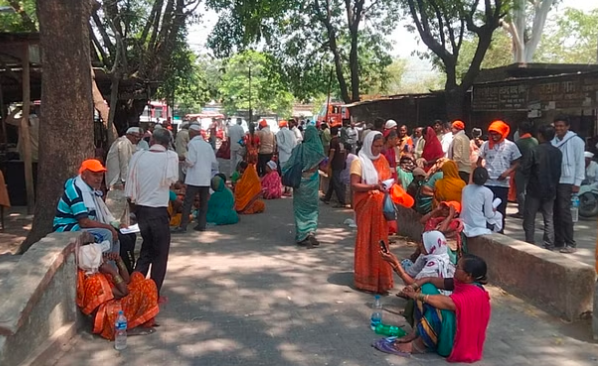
[(117, 162), (286, 141)]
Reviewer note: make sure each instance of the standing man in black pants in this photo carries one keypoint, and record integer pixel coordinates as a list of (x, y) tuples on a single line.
[(502, 158), (573, 172), (542, 171), (151, 173), (201, 167), (336, 164)]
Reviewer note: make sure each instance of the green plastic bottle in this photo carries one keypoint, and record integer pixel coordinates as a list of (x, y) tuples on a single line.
[(390, 330)]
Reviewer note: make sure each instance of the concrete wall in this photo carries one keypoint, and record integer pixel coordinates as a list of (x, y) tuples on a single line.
[(557, 284), (40, 308)]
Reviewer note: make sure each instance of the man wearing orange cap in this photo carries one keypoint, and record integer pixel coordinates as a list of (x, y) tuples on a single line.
[(502, 158), (81, 206), (460, 149), (266, 148)]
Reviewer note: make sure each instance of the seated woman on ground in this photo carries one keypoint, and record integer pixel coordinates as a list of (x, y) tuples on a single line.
[(237, 174), (248, 192), (434, 260), (405, 170), (271, 182), (175, 203), (221, 205), (445, 218), (424, 189), (103, 290), (451, 185), (453, 326)]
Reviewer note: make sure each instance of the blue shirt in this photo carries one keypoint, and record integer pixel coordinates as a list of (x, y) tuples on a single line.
[(71, 209)]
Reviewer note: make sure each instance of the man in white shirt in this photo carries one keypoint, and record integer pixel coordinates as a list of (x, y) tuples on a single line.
[(201, 167), (296, 131), (502, 159), (572, 174), (459, 150), (235, 134), (286, 142), (119, 155), (151, 173), (447, 138)]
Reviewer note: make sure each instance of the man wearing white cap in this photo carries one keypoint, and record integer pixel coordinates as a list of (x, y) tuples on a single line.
[(119, 155), (201, 167), (390, 125)]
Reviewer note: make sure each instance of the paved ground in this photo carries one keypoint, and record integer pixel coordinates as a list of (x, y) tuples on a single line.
[(585, 235), (246, 295)]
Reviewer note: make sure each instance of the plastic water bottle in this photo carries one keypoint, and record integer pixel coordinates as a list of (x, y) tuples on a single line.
[(390, 330), (120, 332), (376, 313), (575, 208)]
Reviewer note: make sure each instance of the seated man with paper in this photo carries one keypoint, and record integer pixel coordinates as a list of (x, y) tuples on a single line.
[(81, 208)]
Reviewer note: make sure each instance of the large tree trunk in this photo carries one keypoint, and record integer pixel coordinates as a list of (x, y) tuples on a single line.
[(354, 66), (66, 107)]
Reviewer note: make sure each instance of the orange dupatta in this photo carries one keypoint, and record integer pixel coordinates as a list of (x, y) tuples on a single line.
[(247, 192), (371, 272)]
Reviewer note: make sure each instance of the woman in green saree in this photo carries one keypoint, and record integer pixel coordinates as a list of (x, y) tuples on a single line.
[(221, 206), (309, 154)]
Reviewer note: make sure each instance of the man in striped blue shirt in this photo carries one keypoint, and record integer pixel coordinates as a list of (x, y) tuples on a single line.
[(77, 209)]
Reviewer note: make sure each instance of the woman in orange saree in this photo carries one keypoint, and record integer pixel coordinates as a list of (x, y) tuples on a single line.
[(104, 291), (248, 192), (367, 173)]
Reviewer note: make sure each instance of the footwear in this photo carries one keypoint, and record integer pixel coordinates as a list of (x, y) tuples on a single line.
[(552, 249), (568, 250), (313, 241), (197, 228), (178, 230), (305, 243), (341, 205), (516, 215), (323, 200)]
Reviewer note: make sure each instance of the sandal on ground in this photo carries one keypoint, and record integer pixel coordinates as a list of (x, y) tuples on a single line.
[(386, 345)]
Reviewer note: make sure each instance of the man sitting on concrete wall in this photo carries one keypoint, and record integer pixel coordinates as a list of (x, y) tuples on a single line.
[(81, 206)]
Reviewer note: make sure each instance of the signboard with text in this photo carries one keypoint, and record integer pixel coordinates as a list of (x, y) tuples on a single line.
[(558, 92)]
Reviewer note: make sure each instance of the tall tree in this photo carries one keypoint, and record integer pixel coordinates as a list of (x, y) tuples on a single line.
[(133, 40), (66, 108), (525, 36), (443, 25), (308, 36), (572, 39)]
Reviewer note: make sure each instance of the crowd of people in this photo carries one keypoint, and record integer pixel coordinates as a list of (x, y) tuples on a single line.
[(459, 184)]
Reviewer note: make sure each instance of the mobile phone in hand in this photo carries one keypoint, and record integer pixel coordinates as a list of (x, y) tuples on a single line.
[(383, 246)]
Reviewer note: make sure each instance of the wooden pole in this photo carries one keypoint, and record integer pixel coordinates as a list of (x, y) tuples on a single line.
[(25, 135)]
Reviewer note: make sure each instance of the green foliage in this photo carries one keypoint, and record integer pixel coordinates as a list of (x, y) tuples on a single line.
[(23, 19), (267, 93), (498, 54), (190, 81), (572, 39), (299, 34)]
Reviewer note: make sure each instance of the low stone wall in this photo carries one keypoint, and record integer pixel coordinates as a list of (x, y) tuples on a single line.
[(552, 281), (38, 308)]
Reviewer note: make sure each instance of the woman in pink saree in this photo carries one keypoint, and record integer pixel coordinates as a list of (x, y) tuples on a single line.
[(453, 326), (271, 182)]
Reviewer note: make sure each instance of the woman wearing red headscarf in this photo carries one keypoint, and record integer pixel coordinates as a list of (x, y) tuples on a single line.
[(502, 158), (432, 149)]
